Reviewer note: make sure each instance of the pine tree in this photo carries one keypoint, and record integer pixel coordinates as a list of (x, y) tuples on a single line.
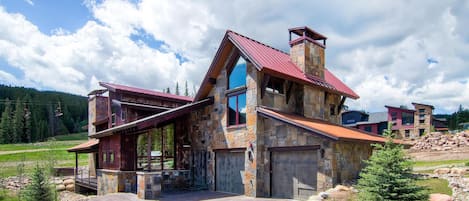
[(28, 117), (388, 175), (6, 130), (18, 123), (186, 90), (177, 89), (39, 189), (168, 90)]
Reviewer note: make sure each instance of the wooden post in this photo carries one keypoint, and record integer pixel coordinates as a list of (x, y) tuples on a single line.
[(76, 164), (149, 150)]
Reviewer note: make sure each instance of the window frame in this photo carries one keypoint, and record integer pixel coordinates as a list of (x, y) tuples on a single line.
[(235, 91), (275, 85), (237, 115)]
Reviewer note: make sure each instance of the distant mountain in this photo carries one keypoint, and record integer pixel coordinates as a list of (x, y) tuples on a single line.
[(29, 115)]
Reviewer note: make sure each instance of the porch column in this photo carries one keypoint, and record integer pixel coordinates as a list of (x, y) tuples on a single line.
[(76, 164)]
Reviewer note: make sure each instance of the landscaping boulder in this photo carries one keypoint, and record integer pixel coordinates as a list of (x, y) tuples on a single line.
[(442, 171), (70, 187), (440, 197), (60, 187), (68, 181)]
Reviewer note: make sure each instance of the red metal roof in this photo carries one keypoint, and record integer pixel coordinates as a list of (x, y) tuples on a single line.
[(87, 146), (114, 87), (266, 57), (327, 129)]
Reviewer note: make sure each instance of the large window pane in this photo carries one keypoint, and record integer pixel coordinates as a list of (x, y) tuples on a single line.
[(242, 108), (232, 110), (156, 150), (169, 147), (237, 76)]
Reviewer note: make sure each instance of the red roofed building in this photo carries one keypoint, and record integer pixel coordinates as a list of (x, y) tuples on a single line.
[(264, 123)]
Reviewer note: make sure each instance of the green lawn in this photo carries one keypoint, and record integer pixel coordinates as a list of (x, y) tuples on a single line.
[(74, 136), (55, 150), (437, 163), (436, 186)]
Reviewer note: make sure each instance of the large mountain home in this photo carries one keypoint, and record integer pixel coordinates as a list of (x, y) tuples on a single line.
[(406, 123), (264, 123)]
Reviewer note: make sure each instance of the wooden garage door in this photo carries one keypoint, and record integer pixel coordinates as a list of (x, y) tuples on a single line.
[(294, 174), (229, 170)]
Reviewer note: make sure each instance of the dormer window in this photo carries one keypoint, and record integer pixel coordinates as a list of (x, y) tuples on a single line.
[(275, 85), (236, 93)]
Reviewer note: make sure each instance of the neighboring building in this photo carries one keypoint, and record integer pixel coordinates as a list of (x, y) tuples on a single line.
[(264, 123), (423, 118), (406, 123), (369, 122), (377, 123), (402, 120), (352, 117)]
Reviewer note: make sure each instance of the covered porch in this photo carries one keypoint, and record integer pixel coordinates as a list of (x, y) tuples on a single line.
[(147, 156), (86, 177)]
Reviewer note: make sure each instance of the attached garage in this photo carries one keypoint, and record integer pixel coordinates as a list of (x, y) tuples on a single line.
[(294, 172), (229, 169)]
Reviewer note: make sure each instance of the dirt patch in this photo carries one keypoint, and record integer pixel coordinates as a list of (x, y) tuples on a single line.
[(461, 153), (22, 151)]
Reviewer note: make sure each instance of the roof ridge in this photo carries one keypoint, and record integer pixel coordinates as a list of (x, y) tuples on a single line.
[(276, 49)]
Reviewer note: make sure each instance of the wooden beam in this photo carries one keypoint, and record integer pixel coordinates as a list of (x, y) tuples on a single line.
[(212, 80), (288, 92), (149, 150), (341, 104), (294, 148), (76, 164), (265, 81)]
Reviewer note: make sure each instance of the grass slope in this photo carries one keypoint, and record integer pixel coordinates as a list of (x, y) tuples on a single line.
[(54, 150)]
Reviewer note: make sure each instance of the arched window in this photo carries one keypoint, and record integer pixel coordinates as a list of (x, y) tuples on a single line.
[(237, 98)]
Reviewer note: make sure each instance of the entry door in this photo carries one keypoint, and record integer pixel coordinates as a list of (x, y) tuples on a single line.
[(294, 174), (229, 171)]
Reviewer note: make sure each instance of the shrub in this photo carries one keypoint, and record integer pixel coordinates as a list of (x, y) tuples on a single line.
[(388, 175), (39, 189)]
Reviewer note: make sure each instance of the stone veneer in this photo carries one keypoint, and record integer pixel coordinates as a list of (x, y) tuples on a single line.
[(149, 185), (341, 161), (113, 181)]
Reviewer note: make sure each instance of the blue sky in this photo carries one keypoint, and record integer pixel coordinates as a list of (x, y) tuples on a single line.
[(389, 52)]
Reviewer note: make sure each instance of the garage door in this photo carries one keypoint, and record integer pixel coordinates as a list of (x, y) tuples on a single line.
[(229, 170), (294, 174)]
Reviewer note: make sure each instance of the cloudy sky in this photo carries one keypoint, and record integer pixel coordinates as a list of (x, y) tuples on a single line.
[(389, 52)]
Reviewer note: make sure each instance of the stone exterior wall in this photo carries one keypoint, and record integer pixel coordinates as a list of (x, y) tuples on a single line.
[(348, 160), (210, 131), (276, 134), (427, 124), (113, 181), (317, 104)]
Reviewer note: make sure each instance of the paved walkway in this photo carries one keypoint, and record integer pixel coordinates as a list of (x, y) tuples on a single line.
[(185, 196)]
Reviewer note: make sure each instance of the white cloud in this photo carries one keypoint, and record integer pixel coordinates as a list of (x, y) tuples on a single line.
[(379, 49)]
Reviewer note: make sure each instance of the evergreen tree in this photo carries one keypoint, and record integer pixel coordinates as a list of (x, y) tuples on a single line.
[(186, 90), (39, 189), (6, 130), (168, 90), (388, 175), (177, 89), (28, 118), (18, 123)]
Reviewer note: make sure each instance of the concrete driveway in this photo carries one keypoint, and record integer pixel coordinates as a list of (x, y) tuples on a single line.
[(185, 196)]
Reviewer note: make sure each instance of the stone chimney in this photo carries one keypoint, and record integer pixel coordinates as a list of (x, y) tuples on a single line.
[(307, 50)]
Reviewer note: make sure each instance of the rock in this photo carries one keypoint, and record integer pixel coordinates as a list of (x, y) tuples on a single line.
[(323, 195), (442, 171), (68, 181), (341, 188), (458, 171), (70, 187), (60, 187), (440, 197)]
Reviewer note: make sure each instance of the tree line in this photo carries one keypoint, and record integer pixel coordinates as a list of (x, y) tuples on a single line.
[(458, 117), (29, 115), (178, 92)]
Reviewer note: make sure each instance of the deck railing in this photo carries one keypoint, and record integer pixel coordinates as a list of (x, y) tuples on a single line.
[(83, 177)]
